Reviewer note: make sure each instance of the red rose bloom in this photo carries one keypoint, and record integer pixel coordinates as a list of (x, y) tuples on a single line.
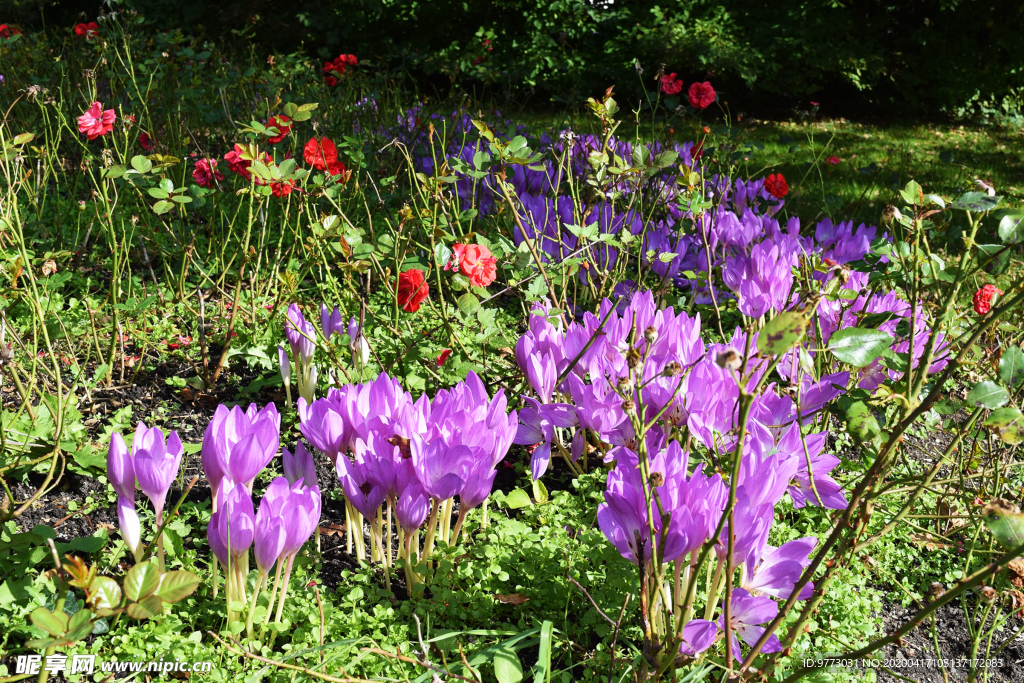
[(696, 152), (87, 30), (833, 160), (146, 142), (412, 290), (206, 173), (338, 67), (443, 357), (983, 299), (241, 166), (776, 185), (476, 263), (96, 121), (281, 189), (320, 153), (701, 95), (6, 31), (283, 125), (670, 85)]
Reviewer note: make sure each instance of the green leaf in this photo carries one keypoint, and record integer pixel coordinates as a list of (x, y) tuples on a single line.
[(782, 332), (517, 498), (1006, 524), (157, 193), (104, 593), (857, 346), (23, 138), (45, 620), (468, 303), (862, 423), (147, 609), (114, 171), (1007, 424), (540, 492), (1011, 366), (507, 668), (175, 586), (1011, 227), (988, 395), (912, 193), (162, 207), (141, 164), (142, 580), (975, 201), (542, 669)]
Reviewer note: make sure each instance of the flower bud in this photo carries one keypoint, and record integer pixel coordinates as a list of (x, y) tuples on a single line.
[(629, 407), (672, 369), (988, 594), (936, 590), (657, 479), (624, 385), (633, 358), (651, 334)]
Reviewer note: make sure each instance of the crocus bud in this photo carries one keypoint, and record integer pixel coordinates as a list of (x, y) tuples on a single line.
[(300, 334), (120, 470), (131, 528), (330, 323), (353, 330), (285, 365), (362, 350)]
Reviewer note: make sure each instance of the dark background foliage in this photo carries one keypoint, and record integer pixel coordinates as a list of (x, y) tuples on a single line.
[(929, 59)]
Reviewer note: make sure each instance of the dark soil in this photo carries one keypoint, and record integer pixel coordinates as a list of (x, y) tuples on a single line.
[(955, 642)]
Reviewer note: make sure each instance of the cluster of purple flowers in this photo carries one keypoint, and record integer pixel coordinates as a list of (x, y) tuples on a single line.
[(414, 456), (237, 446), (735, 250), (598, 379)]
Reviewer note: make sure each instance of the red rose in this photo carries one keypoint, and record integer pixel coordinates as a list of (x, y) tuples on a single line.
[(331, 81), (776, 185), (696, 152), (320, 153), (206, 173), (236, 163), (337, 168), (6, 31), (983, 299), (443, 357), (146, 142), (670, 85), (284, 126), (477, 263), (412, 290), (833, 160), (701, 95), (281, 189), (96, 121), (87, 30)]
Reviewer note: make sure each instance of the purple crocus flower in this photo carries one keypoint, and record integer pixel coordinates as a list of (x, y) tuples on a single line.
[(698, 635), (330, 323), (131, 527), (777, 570), (300, 466), (156, 464), (413, 504), (289, 514), (746, 614), (364, 496), (231, 528), (301, 335), (120, 470), (537, 423), (237, 445)]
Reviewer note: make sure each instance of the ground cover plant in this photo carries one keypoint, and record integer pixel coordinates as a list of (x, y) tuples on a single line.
[(417, 388)]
